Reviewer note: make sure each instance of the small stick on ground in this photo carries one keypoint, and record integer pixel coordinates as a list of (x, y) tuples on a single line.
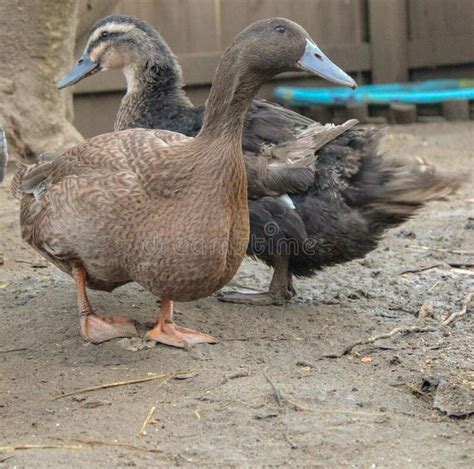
[(166, 377), (262, 337), (461, 312), (276, 392), (455, 267), (242, 373), (461, 271), (371, 340), (281, 400), (14, 350), (461, 264), (408, 330), (147, 420), (421, 269), (113, 444), (414, 390), (450, 251), (25, 447)]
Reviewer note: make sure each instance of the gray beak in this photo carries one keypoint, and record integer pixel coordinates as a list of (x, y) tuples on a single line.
[(83, 68), (314, 61)]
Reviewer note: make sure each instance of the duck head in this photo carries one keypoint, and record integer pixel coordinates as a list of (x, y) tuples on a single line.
[(277, 45), (127, 43), (118, 43)]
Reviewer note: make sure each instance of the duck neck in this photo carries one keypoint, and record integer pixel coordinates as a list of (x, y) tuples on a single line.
[(157, 84), (233, 89)]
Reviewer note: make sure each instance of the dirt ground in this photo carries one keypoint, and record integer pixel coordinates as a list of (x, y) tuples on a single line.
[(385, 404)]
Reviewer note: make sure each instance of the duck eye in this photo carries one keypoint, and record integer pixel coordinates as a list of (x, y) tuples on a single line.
[(280, 29), (104, 34)]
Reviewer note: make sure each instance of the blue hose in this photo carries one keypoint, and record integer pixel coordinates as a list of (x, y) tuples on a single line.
[(427, 92)]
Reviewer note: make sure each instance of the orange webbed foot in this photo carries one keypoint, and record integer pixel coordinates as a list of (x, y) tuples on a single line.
[(171, 334), (96, 329), (167, 332)]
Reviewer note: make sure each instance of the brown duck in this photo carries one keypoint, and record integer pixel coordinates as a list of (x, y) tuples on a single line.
[(156, 207), (332, 211)]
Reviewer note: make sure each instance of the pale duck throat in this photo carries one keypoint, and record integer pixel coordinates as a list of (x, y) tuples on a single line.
[(130, 73)]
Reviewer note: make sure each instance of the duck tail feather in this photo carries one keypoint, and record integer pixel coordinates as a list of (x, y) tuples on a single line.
[(30, 176), (391, 191)]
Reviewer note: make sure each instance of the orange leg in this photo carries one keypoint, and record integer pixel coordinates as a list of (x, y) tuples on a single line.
[(167, 332), (94, 328)]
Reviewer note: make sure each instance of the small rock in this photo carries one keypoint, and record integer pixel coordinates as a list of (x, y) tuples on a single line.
[(395, 360), (265, 416), (23, 299), (189, 375), (386, 345), (79, 398), (470, 224), (95, 404), (387, 313), (135, 344), (453, 399), (406, 234), (426, 311)]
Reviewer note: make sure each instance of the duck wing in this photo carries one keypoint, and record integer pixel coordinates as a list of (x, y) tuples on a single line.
[(108, 153), (268, 124), (72, 204), (291, 166), (265, 124)]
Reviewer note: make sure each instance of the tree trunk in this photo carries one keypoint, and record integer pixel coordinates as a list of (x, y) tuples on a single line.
[(37, 41)]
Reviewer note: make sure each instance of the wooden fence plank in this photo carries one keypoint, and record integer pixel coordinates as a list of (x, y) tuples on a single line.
[(429, 19), (388, 40), (435, 51), (328, 21), (441, 32), (187, 25)]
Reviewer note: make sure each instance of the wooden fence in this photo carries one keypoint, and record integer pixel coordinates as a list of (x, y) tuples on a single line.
[(376, 40)]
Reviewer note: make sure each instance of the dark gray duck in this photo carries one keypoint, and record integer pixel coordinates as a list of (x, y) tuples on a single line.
[(332, 212)]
